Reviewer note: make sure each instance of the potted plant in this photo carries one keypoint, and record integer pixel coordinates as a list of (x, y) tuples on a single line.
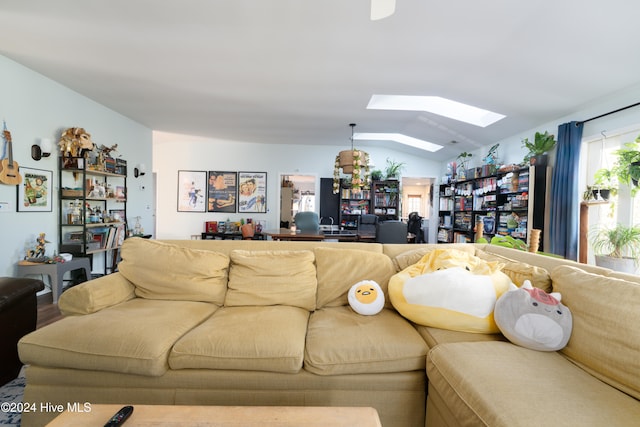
[(617, 248), (538, 149), (394, 169), (627, 165), (492, 155), (604, 185), (376, 175), (464, 161)]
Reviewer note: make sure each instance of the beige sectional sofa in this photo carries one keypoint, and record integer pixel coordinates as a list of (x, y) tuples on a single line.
[(268, 323)]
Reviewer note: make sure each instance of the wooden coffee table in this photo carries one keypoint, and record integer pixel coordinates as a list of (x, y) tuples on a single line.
[(224, 416)]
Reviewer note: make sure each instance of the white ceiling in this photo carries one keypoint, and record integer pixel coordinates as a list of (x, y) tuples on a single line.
[(299, 71)]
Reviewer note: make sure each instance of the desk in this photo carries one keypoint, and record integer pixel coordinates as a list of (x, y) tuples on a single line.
[(55, 272), (229, 235), (225, 416), (286, 234)]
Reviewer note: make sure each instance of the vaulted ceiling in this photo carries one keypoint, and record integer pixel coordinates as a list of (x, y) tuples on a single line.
[(299, 71)]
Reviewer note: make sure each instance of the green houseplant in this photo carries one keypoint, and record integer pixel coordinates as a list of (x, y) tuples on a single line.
[(617, 247), (394, 169), (464, 158), (538, 149), (604, 185), (376, 175), (627, 165)]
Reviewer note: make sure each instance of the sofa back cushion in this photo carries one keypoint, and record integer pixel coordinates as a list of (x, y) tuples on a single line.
[(340, 269), (165, 271), (264, 278), (605, 339)]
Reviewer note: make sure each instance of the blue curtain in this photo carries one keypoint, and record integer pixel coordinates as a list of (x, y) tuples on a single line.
[(565, 200)]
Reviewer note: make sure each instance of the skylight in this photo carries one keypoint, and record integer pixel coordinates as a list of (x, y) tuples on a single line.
[(436, 105), (397, 137)]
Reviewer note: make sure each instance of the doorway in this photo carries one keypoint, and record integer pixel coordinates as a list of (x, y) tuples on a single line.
[(297, 194), (417, 196)]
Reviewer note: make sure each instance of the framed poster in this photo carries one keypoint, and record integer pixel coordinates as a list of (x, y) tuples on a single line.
[(34, 193), (222, 189), (252, 192), (191, 191)]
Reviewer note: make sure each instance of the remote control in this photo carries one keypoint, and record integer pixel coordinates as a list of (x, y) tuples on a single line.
[(120, 417)]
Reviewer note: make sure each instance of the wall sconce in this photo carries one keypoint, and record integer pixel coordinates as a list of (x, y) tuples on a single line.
[(42, 149), (139, 170)]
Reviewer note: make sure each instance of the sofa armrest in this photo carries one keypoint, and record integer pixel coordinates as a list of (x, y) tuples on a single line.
[(13, 289), (96, 294)]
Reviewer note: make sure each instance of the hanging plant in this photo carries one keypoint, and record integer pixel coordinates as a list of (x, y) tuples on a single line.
[(627, 165), (355, 163)]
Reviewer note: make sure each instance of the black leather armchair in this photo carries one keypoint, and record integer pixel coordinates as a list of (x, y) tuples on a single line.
[(18, 317)]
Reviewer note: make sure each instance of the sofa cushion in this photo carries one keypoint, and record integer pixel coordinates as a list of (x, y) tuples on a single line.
[(500, 384), (606, 335), (132, 337), (267, 338), (434, 336), (165, 271), (519, 271), (340, 341), (272, 278), (340, 269)]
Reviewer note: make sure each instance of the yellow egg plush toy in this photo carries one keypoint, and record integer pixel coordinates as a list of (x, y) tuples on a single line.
[(450, 289), (366, 298)]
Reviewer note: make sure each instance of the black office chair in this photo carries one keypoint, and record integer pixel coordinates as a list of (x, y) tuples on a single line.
[(414, 228), (307, 221), (367, 227), (391, 232)]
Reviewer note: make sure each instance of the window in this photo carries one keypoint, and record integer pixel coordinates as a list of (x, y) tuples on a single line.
[(601, 154), (414, 204)]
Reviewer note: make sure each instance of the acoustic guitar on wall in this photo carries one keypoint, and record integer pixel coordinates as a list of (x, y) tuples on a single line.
[(9, 174)]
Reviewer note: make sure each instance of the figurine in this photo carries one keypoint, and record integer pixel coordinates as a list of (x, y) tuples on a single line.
[(37, 254)]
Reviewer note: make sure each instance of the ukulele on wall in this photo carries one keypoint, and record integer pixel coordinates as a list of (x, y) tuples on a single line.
[(9, 173)]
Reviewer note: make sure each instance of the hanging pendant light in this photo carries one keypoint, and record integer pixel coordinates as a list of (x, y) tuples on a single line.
[(352, 162)]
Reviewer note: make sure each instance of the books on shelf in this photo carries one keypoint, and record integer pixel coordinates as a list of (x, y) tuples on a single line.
[(444, 235), (98, 237), (461, 238), (446, 204)]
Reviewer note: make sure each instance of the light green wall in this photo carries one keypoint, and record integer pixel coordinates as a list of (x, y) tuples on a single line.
[(36, 107)]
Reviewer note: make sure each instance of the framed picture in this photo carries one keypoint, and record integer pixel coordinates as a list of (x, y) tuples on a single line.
[(221, 191), (34, 193), (252, 192), (117, 215), (191, 191)]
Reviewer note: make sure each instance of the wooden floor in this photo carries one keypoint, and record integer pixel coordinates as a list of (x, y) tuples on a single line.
[(47, 311)]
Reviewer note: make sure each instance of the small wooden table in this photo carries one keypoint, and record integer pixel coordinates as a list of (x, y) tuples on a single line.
[(55, 272), (224, 416)]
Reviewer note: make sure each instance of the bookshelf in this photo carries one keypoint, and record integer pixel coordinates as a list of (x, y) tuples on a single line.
[(502, 203), (92, 208)]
